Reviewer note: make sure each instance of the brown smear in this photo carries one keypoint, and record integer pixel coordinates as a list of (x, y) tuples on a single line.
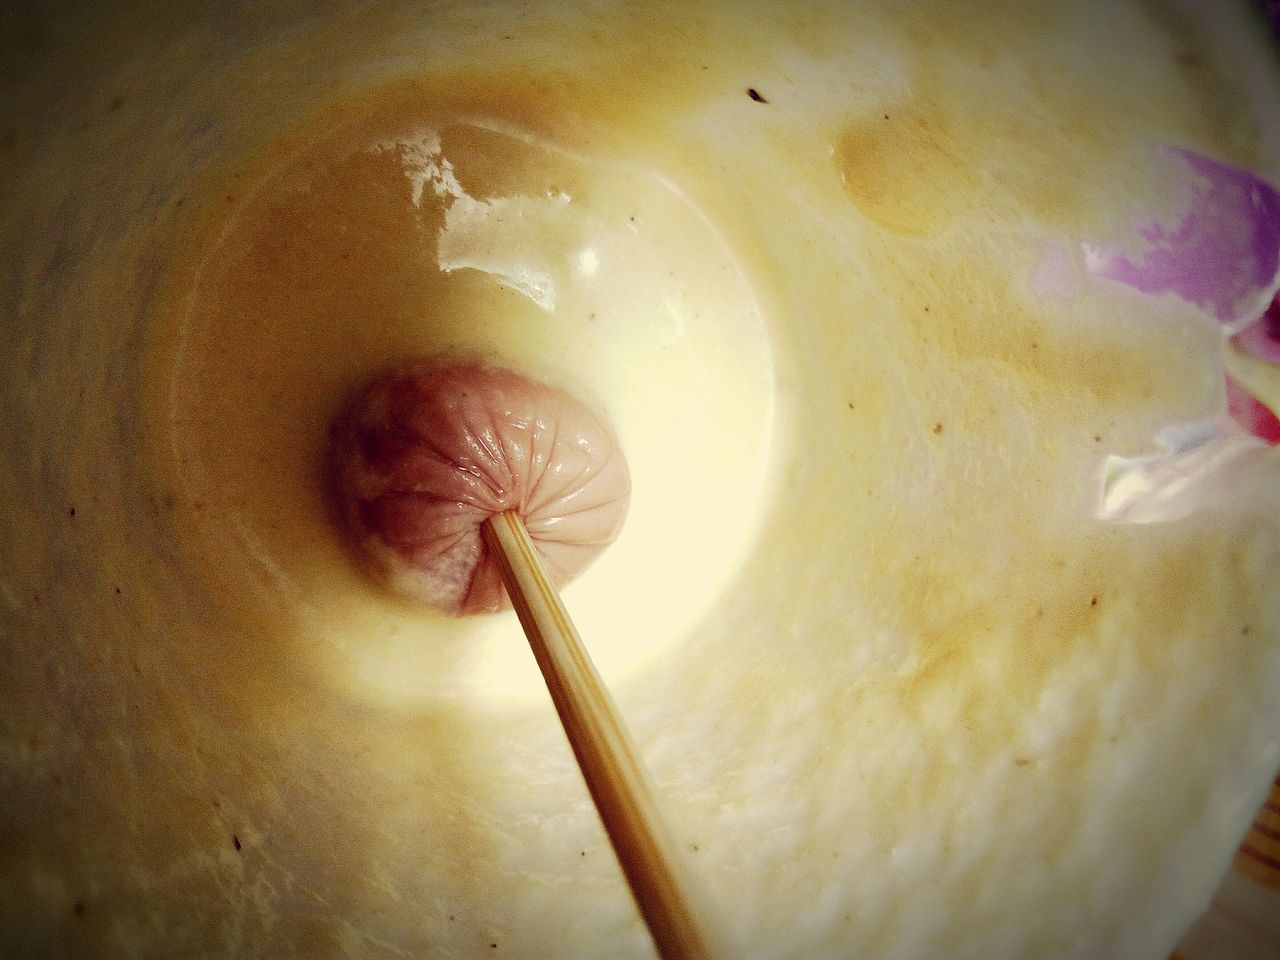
[(906, 172), (1032, 139)]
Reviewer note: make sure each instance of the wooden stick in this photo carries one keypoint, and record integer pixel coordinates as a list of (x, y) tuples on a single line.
[(605, 753)]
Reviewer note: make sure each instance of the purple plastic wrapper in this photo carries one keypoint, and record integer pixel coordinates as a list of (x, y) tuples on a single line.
[(1224, 253)]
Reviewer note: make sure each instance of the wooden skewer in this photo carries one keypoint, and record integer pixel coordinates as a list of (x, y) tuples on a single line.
[(605, 753)]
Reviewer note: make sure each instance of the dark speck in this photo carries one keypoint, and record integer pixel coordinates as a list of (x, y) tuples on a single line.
[(1093, 602), (71, 512), (236, 840), (1021, 761), (937, 428), (78, 908), (886, 116), (754, 94), (493, 946)]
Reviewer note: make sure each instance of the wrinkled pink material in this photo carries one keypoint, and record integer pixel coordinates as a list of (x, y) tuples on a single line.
[(430, 451)]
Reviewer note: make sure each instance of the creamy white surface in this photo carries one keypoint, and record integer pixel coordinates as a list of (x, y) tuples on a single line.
[(927, 705)]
